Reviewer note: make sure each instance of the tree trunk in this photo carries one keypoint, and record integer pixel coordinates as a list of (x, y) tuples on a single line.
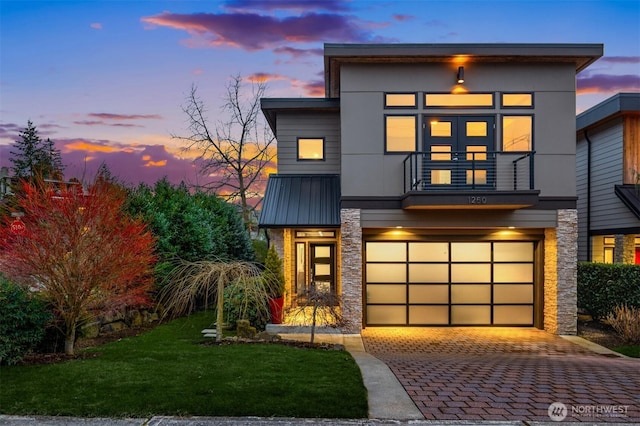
[(313, 321), (70, 340), (220, 312)]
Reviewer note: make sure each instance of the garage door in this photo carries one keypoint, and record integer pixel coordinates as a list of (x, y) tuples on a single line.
[(449, 283)]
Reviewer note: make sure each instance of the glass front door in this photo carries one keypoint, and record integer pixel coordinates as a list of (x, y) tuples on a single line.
[(315, 268), (323, 268), (459, 152)]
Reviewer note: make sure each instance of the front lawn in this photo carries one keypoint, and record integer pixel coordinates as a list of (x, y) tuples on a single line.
[(167, 372)]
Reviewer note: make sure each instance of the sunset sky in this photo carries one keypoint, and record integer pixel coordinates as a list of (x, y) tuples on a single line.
[(106, 80)]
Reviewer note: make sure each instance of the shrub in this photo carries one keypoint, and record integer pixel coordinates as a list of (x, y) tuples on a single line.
[(626, 322), (242, 305), (602, 287), (22, 321)]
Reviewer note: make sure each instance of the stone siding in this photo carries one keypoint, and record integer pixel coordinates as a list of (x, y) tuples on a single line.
[(625, 249), (351, 271), (560, 274)]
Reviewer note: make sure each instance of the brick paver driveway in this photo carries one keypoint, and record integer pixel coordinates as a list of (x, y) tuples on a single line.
[(482, 373)]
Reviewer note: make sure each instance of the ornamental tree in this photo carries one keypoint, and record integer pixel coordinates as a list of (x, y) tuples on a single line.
[(81, 252)]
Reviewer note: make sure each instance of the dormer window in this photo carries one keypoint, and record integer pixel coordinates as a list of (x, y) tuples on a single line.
[(310, 149)]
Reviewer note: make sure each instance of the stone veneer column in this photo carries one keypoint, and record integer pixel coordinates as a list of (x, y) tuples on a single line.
[(351, 271), (560, 274), (625, 249)]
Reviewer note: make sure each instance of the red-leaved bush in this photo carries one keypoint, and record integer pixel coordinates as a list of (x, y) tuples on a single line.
[(80, 251)]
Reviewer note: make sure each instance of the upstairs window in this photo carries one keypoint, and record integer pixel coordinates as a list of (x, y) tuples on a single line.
[(310, 149), (517, 133), (400, 133), (517, 100), (400, 100), (470, 100)]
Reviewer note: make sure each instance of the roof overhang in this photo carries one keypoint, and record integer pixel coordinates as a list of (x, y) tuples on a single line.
[(615, 106), (272, 106), (335, 55), (301, 201)]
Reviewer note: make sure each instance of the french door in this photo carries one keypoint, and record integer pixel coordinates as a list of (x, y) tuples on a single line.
[(458, 152)]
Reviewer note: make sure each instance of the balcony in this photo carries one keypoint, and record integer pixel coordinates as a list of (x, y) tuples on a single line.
[(469, 179)]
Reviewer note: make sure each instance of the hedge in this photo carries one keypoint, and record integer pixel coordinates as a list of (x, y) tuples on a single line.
[(603, 286), (22, 321)]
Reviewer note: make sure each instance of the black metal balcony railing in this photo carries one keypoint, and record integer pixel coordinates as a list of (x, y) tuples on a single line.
[(466, 170)]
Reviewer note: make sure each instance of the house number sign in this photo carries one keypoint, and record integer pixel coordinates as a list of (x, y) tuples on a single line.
[(477, 199)]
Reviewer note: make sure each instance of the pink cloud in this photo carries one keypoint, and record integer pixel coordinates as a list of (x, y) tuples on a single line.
[(102, 123), (261, 77), (403, 18), (298, 5), (213, 30), (110, 116), (606, 83), (96, 25), (620, 59), (299, 53)]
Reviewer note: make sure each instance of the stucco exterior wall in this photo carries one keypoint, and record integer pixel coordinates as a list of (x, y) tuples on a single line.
[(368, 171)]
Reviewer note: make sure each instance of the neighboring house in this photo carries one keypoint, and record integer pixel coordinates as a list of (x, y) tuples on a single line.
[(608, 171), (433, 185)]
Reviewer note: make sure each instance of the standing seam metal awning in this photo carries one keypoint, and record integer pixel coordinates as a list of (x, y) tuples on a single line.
[(630, 196), (301, 200)]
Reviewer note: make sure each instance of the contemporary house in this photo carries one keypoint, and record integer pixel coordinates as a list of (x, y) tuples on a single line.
[(434, 185), (608, 167)]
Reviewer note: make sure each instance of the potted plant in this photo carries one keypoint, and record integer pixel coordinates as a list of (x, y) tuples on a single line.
[(274, 281)]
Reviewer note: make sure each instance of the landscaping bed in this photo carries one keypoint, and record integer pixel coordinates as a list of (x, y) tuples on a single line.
[(604, 335)]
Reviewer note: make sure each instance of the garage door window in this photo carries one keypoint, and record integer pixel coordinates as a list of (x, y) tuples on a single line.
[(457, 283)]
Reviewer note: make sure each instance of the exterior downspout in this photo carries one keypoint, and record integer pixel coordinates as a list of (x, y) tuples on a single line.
[(586, 137)]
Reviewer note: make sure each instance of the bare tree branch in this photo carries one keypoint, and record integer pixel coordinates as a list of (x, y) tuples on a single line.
[(236, 149)]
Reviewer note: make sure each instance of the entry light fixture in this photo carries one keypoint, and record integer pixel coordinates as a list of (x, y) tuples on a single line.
[(460, 75)]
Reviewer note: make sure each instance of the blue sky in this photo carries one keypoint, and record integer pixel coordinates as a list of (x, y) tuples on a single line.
[(106, 80)]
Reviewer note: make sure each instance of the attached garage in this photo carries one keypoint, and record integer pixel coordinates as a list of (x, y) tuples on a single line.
[(455, 282)]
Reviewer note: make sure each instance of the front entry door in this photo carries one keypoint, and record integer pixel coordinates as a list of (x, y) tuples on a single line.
[(459, 152), (323, 267)]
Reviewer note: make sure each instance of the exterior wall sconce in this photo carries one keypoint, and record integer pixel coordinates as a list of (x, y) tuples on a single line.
[(460, 75)]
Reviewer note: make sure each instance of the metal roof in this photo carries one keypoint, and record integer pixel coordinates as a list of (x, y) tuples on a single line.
[(301, 200), (630, 197)]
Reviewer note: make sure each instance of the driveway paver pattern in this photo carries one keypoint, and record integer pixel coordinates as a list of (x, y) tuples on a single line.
[(487, 373)]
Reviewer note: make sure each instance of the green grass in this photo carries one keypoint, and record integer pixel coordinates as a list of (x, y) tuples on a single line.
[(632, 351), (166, 372)]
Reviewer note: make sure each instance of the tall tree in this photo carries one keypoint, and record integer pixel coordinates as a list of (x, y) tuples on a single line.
[(34, 157), (192, 226), (237, 149), (81, 252)]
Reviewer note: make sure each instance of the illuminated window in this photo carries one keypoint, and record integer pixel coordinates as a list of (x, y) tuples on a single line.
[(400, 133), (517, 100), (440, 129), (310, 149), (400, 100), (458, 100), (476, 128), (517, 133)]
